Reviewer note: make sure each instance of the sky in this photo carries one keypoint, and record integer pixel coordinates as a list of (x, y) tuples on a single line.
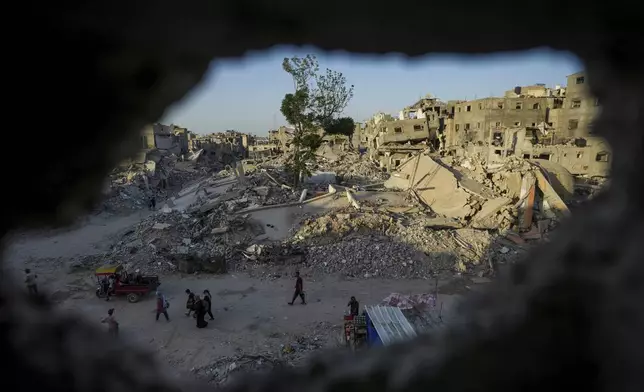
[(246, 94)]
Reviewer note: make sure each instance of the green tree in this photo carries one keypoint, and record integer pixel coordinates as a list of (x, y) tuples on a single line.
[(315, 105)]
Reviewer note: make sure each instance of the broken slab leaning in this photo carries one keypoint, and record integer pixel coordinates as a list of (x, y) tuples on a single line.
[(482, 219), (435, 185), (352, 200)]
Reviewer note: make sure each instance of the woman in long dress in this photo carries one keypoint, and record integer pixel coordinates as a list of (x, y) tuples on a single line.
[(200, 310)]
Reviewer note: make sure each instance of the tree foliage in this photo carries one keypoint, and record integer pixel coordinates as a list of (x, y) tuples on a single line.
[(339, 126), (313, 108)]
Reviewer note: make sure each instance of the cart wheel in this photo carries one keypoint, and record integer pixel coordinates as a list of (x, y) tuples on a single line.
[(133, 297), (99, 293)]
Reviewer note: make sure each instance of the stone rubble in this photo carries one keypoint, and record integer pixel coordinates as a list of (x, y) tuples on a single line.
[(131, 187), (290, 352), (352, 170), (387, 245), (206, 229)]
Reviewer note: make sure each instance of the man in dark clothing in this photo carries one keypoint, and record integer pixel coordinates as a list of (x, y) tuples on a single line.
[(152, 204), (190, 304), (30, 281), (207, 298), (299, 289), (162, 306), (355, 306)]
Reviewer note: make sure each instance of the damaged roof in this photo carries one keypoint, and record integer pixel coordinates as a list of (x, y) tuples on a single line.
[(390, 323)]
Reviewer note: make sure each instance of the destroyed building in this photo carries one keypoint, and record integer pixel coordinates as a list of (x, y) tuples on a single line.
[(532, 121), (261, 147), (281, 137)]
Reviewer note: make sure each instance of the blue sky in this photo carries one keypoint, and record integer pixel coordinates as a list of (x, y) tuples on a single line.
[(246, 94)]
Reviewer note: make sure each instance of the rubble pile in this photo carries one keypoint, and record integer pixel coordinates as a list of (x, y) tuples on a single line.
[(385, 244), (126, 190), (330, 227), (161, 174), (351, 169), (186, 242), (260, 190), (226, 369), (524, 196), (200, 229), (369, 257), (294, 352)]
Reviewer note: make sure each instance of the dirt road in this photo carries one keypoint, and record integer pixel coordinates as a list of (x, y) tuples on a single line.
[(251, 315)]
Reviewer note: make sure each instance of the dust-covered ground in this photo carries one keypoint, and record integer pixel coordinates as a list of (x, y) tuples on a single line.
[(251, 313)]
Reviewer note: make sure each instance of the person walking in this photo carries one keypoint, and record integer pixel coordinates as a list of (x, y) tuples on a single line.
[(162, 306), (200, 311), (152, 202), (299, 289), (207, 298), (30, 281), (190, 303), (112, 324), (354, 306)]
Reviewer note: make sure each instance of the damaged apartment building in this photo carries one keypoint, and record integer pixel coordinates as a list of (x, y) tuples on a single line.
[(390, 141), (162, 139), (223, 148), (279, 140), (528, 121)]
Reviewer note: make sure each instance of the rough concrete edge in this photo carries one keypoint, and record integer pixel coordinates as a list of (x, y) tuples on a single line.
[(292, 204)]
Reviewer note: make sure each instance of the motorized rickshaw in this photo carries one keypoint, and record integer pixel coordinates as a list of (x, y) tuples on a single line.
[(114, 280)]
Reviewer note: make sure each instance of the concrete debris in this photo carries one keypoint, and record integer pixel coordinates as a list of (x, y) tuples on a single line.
[(383, 244), (509, 195), (286, 351), (351, 170), (159, 173), (219, 230), (434, 184), (409, 301), (490, 207), (352, 200), (458, 215)]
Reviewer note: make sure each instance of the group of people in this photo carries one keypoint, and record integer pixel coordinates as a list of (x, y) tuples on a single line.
[(200, 305), (196, 305)]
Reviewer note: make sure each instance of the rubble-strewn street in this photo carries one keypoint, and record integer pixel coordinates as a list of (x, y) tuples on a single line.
[(407, 215), (431, 230)]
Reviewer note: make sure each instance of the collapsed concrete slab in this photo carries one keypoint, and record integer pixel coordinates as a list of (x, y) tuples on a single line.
[(551, 205), (435, 185), (482, 219), (561, 180)]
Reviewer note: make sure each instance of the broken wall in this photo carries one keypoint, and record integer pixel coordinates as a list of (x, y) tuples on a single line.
[(580, 107)]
